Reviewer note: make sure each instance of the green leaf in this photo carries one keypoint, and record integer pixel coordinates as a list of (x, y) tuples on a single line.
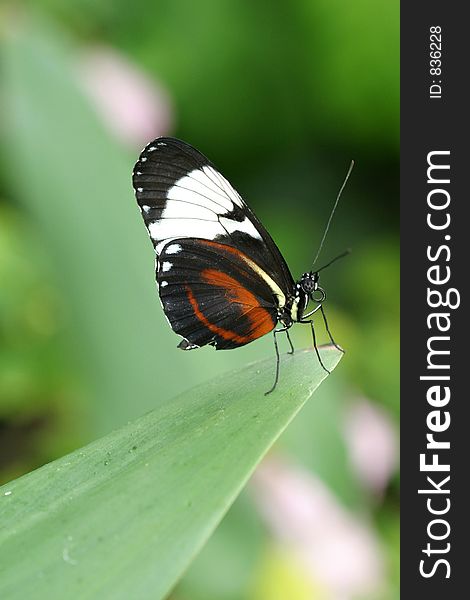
[(124, 516), (227, 565)]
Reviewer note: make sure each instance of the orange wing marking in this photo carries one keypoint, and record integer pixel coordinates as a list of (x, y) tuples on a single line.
[(281, 299), (260, 319)]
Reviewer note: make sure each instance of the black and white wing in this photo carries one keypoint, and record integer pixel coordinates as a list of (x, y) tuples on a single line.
[(214, 294), (182, 195)]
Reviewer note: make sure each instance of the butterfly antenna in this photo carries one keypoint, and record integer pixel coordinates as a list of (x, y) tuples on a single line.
[(332, 213), (342, 255)]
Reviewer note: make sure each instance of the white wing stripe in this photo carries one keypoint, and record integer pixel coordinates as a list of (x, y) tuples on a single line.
[(189, 190), (195, 207), (167, 229), (217, 193), (176, 208), (245, 226), (211, 175), (225, 186), (217, 205)]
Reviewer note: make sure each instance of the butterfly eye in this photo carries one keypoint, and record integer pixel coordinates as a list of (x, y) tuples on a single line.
[(319, 295)]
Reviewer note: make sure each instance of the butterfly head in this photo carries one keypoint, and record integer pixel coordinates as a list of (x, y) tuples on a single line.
[(309, 285), (306, 289)]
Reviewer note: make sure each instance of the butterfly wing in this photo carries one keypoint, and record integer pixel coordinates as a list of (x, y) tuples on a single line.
[(214, 294), (182, 195)]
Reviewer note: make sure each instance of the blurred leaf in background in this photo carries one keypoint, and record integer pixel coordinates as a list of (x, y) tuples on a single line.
[(280, 97)]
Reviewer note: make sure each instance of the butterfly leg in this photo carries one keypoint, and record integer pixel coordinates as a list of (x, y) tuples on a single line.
[(276, 378), (315, 343), (328, 330), (291, 351)]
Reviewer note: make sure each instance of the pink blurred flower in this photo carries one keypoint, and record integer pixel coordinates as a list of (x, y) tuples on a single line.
[(372, 441), (133, 106), (336, 548)]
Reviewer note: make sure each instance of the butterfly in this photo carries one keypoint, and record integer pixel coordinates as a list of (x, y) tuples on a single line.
[(222, 280)]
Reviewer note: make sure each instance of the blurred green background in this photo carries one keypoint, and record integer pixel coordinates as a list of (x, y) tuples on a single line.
[(280, 97)]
